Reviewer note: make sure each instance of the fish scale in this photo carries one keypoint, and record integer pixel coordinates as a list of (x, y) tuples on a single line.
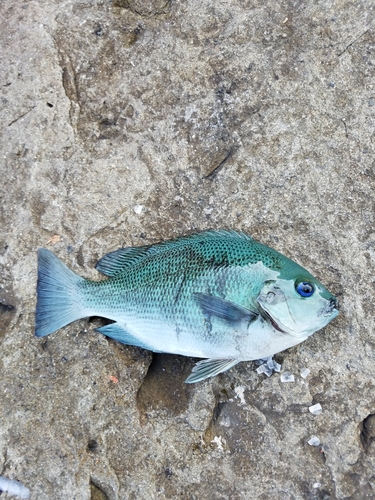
[(218, 295)]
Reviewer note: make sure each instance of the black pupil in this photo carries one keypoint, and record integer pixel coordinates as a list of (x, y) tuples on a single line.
[(307, 288)]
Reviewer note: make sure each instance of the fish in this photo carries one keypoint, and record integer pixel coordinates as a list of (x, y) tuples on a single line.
[(218, 295)]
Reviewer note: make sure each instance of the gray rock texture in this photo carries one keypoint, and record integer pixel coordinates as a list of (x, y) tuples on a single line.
[(130, 122)]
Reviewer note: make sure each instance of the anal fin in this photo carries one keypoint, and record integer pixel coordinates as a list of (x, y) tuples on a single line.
[(209, 368), (117, 332)]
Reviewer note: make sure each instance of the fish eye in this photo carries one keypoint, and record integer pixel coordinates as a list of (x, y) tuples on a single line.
[(305, 289)]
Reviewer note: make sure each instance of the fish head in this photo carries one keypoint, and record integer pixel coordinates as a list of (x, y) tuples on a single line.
[(298, 307)]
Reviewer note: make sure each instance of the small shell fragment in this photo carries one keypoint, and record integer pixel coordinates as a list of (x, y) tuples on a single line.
[(314, 441), (13, 487), (316, 409), (305, 372), (268, 367), (287, 377), (217, 440), (276, 367), (138, 209), (54, 239), (263, 369), (240, 394)]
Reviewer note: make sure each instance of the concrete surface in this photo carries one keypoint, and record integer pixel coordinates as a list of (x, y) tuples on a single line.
[(131, 122)]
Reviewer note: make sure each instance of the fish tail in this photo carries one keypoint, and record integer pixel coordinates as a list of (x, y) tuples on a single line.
[(58, 295)]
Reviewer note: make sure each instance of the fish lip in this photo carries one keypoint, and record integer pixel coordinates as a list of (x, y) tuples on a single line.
[(332, 308), (332, 312)]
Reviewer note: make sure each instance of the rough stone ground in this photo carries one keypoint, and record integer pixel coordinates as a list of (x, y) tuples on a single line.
[(131, 122)]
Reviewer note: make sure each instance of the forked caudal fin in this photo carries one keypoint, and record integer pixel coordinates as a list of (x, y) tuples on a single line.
[(58, 295)]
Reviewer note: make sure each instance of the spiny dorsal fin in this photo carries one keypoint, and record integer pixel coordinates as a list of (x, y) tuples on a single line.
[(120, 260), (117, 262)]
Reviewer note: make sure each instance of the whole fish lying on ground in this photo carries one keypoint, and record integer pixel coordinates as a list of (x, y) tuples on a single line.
[(219, 295)]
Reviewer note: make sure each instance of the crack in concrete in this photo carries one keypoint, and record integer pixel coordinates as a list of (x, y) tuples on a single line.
[(217, 169), (353, 42), (69, 83), (345, 127), (21, 116)]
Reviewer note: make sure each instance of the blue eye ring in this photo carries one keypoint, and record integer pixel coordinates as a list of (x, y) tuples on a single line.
[(305, 289)]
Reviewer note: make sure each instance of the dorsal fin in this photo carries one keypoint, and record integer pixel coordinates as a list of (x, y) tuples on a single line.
[(117, 262)]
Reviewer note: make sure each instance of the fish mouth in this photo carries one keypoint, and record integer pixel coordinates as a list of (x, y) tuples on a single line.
[(332, 308)]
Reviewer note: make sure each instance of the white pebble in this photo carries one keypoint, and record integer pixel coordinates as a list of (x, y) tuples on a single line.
[(316, 409), (13, 487), (317, 485), (240, 394), (314, 441), (287, 377), (305, 372), (217, 440), (138, 209), (225, 421)]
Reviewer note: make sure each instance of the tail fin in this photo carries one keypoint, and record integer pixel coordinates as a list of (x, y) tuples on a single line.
[(58, 295)]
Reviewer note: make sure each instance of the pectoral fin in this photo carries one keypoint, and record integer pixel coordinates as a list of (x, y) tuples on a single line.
[(224, 309), (209, 368)]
